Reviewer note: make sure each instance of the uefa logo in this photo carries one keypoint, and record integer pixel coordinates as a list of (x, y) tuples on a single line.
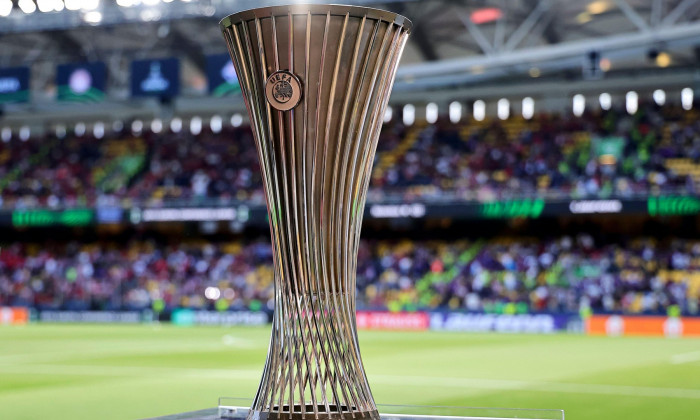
[(283, 90)]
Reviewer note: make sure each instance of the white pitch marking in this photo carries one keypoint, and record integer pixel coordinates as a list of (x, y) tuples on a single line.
[(428, 416), (678, 359), (563, 387), (231, 340)]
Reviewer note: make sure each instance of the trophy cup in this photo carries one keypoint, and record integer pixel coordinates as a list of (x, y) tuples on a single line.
[(316, 81)]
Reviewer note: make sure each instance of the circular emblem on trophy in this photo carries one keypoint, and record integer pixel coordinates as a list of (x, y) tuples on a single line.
[(283, 90)]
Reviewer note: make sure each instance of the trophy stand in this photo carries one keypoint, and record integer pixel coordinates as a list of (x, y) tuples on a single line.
[(238, 409)]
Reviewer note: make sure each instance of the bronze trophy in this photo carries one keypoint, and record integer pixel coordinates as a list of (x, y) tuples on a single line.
[(316, 81)]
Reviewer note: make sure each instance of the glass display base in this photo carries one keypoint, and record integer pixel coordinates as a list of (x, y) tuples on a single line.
[(237, 409)]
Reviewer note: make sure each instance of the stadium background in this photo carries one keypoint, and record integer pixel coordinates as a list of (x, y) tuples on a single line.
[(537, 175)]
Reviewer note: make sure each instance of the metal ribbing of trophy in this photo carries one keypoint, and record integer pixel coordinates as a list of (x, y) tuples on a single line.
[(316, 80)]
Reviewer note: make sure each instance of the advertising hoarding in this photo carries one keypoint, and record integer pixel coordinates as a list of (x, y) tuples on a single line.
[(158, 78), (660, 326), (14, 85), (381, 320), (81, 82)]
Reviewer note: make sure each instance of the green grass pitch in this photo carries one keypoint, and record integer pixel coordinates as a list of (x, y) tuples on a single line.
[(129, 372)]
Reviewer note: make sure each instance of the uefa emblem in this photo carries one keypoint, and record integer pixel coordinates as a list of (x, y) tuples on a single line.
[(283, 90)]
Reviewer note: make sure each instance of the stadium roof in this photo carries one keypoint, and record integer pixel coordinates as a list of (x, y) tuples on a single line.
[(455, 44)]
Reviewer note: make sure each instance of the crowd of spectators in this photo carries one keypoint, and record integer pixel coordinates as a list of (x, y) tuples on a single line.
[(67, 172), (46, 173), (549, 155), (565, 274), (207, 167)]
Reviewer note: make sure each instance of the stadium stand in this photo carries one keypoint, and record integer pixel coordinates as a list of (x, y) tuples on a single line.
[(655, 151), (548, 156), (504, 274)]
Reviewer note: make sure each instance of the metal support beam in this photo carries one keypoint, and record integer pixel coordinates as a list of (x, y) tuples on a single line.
[(420, 39), (476, 33), (633, 16), (419, 36), (500, 32), (553, 57), (67, 45), (676, 13), (495, 90), (547, 29), (185, 44), (657, 11), (526, 26)]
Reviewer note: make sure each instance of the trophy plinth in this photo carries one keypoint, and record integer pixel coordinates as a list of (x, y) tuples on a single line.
[(316, 80)]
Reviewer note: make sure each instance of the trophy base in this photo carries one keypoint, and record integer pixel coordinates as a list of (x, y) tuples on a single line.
[(332, 413), (234, 409)]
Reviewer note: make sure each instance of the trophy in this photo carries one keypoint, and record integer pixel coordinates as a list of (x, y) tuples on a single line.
[(316, 81)]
